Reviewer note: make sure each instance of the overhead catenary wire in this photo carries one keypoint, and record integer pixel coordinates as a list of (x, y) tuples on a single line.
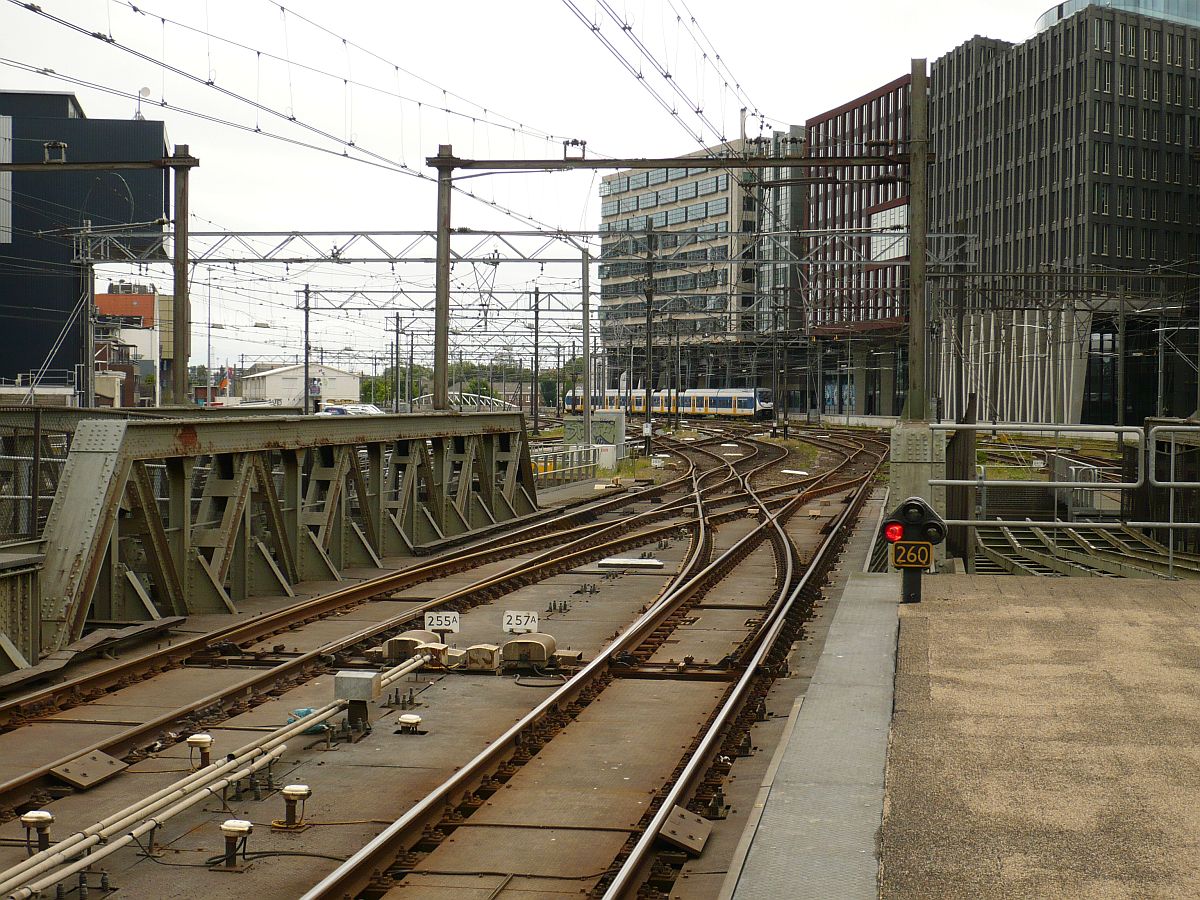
[(349, 149), (481, 117)]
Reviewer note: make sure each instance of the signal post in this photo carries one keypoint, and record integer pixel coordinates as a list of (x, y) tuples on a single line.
[(912, 531)]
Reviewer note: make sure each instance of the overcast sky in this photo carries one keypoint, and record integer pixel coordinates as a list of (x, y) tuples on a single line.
[(381, 74)]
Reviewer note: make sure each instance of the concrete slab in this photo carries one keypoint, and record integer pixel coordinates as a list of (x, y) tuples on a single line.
[(816, 836), (567, 812), (1045, 741)]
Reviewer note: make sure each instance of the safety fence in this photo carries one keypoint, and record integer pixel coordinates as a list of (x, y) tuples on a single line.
[(565, 466), (1152, 486)]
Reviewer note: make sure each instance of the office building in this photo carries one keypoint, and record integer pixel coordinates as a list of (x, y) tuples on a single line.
[(44, 289), (1072, 156), (703, 216), (856, 274)]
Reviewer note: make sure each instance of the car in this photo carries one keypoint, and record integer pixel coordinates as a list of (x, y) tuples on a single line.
[(350, 409)]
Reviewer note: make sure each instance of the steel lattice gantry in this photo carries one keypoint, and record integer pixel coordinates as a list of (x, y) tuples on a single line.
[(178, 517)]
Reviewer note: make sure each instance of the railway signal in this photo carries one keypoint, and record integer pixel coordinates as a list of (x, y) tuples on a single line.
[(912, 530)]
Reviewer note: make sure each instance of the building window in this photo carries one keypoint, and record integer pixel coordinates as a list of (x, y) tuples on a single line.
[(1127, 80), (1128, 39), (1125, 161)]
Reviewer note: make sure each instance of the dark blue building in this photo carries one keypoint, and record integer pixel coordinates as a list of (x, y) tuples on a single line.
[(41, 288)]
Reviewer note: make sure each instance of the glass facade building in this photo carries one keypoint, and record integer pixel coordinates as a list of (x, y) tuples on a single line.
[(1185, 12), (701, 219)]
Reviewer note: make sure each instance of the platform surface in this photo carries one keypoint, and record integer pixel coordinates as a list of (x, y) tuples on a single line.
[(822, 802), (1046, 741)]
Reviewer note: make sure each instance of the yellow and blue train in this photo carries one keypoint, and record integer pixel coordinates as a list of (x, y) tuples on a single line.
[(742, 403)]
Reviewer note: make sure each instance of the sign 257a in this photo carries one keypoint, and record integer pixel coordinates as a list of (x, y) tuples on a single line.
[(518, 621)]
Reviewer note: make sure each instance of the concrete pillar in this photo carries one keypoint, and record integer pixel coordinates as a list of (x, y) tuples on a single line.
[(887, 361), (860, 359)]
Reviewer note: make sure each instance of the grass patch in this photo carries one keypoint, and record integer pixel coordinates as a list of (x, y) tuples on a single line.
[(1002, 472), (800, 452), (630, 467)]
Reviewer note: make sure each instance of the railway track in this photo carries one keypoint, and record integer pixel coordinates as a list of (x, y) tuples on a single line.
[(415, 851), (558, 544), (718, 496)]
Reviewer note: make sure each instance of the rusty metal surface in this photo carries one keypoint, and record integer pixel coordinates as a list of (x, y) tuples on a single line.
[(709, 635), (426, 886), (317, 634), (543, 850), (591, 782), (386, 772), (356, 782), (750, 778)]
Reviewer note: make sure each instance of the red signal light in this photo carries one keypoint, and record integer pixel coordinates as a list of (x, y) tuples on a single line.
[(893, 531)]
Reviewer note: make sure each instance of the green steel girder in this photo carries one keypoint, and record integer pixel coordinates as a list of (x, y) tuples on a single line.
[(171, 517)]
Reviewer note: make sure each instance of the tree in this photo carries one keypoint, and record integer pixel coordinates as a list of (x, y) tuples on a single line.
[(480, 387)]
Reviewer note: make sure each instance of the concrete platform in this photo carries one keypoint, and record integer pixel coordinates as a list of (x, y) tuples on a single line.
[(1046, 741), (815, 829)]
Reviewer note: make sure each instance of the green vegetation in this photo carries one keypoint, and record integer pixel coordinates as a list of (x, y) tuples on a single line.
[(632, 467), (800, 453), (1014, 473)]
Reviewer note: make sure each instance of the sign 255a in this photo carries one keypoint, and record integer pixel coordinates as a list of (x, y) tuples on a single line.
[(442, 620)]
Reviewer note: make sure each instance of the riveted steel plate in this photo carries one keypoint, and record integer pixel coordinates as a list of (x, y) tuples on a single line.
[(90, 769), (686, 830)]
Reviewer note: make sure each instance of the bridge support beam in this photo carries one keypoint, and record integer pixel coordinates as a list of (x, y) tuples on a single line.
[(175, 517)]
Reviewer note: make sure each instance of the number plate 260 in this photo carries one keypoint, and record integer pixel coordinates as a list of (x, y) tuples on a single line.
[(912, 554)]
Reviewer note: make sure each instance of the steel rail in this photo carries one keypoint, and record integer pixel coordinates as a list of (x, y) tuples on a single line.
[(300, 665), (622, 883), (37, 865), (136, 736), (18, 708), (379, 853)]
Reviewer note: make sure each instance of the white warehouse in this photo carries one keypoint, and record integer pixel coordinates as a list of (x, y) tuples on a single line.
[(285, 386)]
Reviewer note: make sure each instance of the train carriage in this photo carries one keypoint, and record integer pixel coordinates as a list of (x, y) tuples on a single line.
[(742, 403)]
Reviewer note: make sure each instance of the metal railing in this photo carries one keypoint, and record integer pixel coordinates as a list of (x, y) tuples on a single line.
[(1087, 479), (565, 466), (1139, 440)]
